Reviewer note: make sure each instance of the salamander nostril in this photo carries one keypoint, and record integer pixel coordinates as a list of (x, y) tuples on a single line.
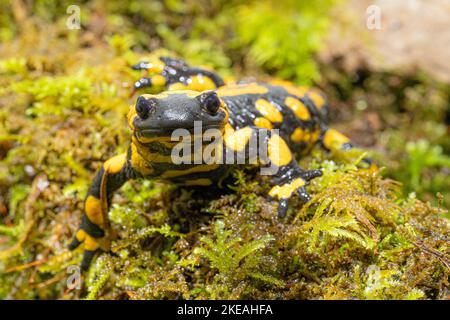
[(142, 108)]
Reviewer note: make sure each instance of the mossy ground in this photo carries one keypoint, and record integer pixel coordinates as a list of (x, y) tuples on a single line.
[(63, 100)]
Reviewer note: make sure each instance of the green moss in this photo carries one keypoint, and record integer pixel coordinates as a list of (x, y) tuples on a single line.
[(362, 236)]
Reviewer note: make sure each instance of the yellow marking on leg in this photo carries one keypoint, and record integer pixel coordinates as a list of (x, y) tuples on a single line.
[(237, 140), (317, 98), (279, 153), (93, 209), (263, 123), (285, 191), (240, 89), (89, 242), (198, 182), (80, 235), (268, 110), (298, 108), (115, 164), (333, 139), (195, 169)]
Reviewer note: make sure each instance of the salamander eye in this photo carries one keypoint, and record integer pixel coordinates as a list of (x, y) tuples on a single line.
[(144, 106), (210, 101)]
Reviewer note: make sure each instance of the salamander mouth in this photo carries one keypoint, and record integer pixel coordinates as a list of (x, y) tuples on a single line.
[(167, 132)]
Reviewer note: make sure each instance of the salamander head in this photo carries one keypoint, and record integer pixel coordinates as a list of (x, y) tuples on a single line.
[(159, 115)]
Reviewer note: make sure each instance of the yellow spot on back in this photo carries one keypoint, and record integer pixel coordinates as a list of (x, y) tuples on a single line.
[(268, 110), (298, 91), (298, 108), (237, 140), (165, 94), (198, 83), (279, 153), (115, 164), (239, 89), (317, 98), (280, 82), (263, 123), (285, 191), (155, 65), (298, 135)]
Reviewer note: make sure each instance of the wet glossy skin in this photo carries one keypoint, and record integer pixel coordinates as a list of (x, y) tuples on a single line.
[(238, 111)]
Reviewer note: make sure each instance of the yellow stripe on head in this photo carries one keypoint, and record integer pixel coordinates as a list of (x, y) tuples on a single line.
[(139, 163)]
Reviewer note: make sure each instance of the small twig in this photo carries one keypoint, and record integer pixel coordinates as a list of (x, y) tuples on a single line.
[(26, 266), (49, 281), (439, 255)]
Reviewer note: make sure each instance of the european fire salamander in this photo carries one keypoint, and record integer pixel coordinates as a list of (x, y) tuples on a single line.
[(240, 111)]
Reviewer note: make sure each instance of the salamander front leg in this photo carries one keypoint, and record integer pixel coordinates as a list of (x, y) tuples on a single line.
[(289, 178), (276, 160), (94, 231)]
